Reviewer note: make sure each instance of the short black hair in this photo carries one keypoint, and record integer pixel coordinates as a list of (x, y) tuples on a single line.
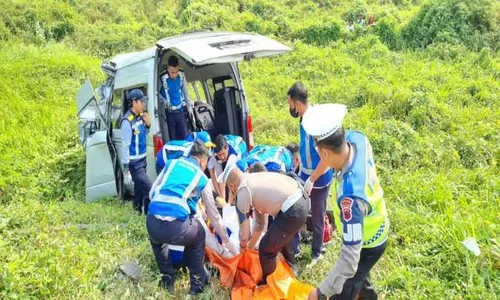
[(173, 61), (335, 142), (199, 150), (258, 167), (293, 148), (298, 92), (220, 143)]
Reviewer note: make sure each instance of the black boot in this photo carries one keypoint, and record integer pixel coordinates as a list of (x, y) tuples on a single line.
[(167, 283)]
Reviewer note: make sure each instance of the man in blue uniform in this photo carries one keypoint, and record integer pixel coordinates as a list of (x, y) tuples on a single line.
[(134, 127), (171, 220), (175, 94), (177, 148), (294, 150), (274, 158), (360, 211), (316, 174), (225, 146)]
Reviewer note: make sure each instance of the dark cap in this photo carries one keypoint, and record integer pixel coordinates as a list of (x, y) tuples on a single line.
[(136, 94)]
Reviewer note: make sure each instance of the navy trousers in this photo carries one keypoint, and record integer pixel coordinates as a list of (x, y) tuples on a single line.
[(318, 210), (190, 234), (177, 125), (142, 184)]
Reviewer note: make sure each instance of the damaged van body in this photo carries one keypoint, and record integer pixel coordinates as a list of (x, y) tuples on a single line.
[(209, 61)]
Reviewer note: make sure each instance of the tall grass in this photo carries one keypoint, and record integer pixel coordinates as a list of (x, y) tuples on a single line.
[(432, 116)]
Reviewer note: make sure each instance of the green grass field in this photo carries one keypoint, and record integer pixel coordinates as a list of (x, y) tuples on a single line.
[(423, 85)]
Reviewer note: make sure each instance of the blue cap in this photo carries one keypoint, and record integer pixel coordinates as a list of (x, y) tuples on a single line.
[(136, 94), (202, 136)]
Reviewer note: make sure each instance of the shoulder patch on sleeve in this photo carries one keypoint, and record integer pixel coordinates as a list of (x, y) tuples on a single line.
[(346, 207)]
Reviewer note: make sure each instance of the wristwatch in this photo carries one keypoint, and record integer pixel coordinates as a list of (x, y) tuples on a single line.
[(320, 295)]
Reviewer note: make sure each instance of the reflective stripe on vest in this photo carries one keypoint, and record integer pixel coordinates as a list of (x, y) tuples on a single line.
[(138, 141), (175, 87), (360, 181), (179, 190)]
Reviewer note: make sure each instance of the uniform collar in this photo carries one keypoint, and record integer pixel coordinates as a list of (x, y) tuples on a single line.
[(348, 164)]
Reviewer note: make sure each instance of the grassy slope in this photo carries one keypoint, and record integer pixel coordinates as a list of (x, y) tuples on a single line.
[(433, 123)]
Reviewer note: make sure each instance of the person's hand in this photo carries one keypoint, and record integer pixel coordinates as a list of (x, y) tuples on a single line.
[(127, 177), (220, 202), (147, 120), (308, 185), (313, 295)]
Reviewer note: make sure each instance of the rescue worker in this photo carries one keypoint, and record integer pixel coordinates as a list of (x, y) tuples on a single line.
[(175, 94), (134, 127), (274, 158), (225, 146), (177, 148), (171, 222), (360, 211), (315, 173), (262, 194), (294, 150)]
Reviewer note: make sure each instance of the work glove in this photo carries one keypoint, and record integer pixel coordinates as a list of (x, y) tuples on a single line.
[(220, 202), (308, 185), (127, 177)]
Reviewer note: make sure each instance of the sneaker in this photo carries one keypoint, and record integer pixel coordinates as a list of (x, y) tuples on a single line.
[(323, 249), (314, 261)]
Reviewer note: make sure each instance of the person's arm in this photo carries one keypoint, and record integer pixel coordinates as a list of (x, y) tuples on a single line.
[(243, 210), (230, 197), (259, 226), (352, 212), (320, 169), (213, 214), (126, 128)]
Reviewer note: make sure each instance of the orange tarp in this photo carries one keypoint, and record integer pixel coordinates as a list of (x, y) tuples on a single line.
[(243, 272)]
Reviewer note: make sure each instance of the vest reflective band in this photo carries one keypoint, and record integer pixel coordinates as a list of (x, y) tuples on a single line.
[(179, 191), (309, 160), (237, 146), (275, 158), (173, 150), (173, 91), (360, 181), (138, 142)]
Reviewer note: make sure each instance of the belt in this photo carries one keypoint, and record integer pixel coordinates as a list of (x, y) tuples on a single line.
[(163, 218), (291, 200)]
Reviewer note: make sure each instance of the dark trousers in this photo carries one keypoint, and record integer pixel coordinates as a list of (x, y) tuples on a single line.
[(279, 237), (142, 184), (318, 210), (187, 233), (359, 285), (177, 125)]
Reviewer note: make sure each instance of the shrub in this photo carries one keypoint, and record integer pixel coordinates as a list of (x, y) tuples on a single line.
[(451, 21)]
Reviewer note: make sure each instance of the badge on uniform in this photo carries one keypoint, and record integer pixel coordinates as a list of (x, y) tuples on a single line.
[(136, 132)]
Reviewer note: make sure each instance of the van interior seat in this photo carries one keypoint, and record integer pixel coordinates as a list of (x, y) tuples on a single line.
[(205, 117), (228, 115)]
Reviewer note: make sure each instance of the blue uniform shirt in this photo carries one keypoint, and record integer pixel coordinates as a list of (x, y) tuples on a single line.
[(309, 160), (172, 150), (134, 137), (180, 189), (275, 158)]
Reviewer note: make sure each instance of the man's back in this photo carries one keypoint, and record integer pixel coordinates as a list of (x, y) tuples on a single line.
[(269, 190)]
